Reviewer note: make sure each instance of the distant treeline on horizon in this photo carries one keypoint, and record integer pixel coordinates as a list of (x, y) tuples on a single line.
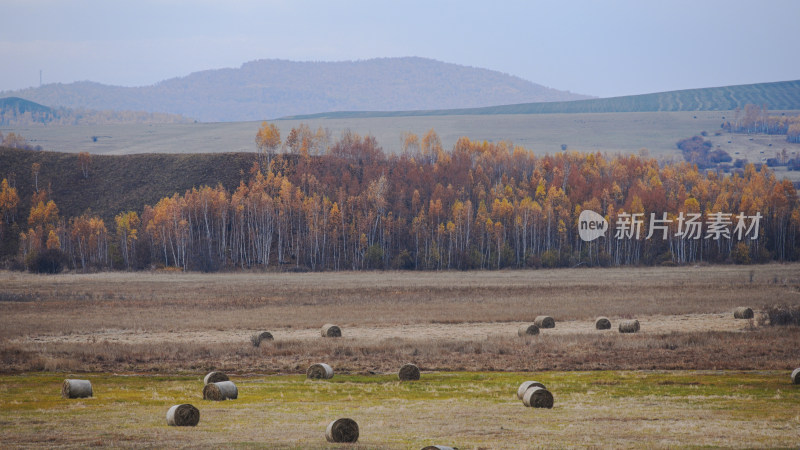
[(19, 112)]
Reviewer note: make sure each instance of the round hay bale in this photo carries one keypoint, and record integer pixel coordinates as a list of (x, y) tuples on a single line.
[(538, 397), (544, 322), (527, 385), (439, 447), (319, 371), (342, 430), (602, 323), (76, 389), (409, 372), (329, 330), (266, 336), (743, 312), (221, 390), (629, 326), (796, 376), (528, 330), (215, 377), (184, 415), (257, 338)]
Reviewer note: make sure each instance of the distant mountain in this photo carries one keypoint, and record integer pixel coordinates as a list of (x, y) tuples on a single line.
[(267, 89), (777, 96)]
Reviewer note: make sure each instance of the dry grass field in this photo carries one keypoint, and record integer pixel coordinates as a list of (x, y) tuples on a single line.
[(693, 375), (167, 322)]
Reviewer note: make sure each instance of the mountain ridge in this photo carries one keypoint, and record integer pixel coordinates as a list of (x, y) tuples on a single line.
[(269, 88)]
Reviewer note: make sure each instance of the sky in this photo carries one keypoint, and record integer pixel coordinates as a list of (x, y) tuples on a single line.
[(601, 48)]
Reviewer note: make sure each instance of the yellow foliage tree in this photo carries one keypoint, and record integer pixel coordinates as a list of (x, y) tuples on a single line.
[(128, 224), (9, 200), (268, 139)]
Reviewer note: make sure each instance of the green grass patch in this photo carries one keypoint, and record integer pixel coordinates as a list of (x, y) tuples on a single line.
[(608, 409)]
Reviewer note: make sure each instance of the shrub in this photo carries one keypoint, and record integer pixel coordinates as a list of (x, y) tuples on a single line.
[(763, 256), (781, 315), (550, 259), (374, 257), (403, 261), (47, 261), (741, 253), (719, 156), (533, 260), (507, 256)]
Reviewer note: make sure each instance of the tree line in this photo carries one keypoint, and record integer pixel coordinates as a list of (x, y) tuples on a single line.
[(756, 119), (16, 140), (15, 117), (312, 204)]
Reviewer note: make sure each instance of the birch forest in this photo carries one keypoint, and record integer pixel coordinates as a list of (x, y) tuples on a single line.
[(309, 204)]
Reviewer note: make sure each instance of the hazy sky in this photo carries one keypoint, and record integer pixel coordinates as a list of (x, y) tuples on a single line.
[(602, 48)]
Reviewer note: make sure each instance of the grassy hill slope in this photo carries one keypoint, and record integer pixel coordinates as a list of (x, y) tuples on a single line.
[(21, 106), (783, 95), (119, 183)]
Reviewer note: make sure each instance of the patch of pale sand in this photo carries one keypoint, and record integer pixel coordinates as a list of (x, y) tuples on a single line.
[(657, 324)]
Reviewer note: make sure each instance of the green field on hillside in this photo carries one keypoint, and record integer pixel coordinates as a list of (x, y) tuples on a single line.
[(778, 95)]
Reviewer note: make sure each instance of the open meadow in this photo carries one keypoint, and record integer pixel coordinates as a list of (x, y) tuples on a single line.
[(177, 322), (542, 133), (693, 375), (612, 133)]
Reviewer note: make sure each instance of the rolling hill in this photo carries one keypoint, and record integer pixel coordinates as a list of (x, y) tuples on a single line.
[(782, 95), (18, 105), (119, 183), (268, 89), (15, 112)]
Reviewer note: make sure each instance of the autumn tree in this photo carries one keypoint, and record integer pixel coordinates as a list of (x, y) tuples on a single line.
[(302, 141), (127, 233), (88, 242), (14, 140), (9, 200), (43, 226), (43, 215), (410, 144), (268, 140), (431, 146)]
